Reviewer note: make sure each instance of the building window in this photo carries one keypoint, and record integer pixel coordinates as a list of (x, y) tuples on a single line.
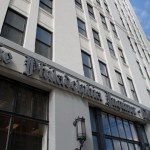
[(139, 68), (122, 55), (87, 65), (130, 43), (122, 21), (111, 49), (106, 7), (90, 10), (104, 74), (120, 83), (115, 133), (132, 89), (114, 29), (23, 117), (43, 44), (147, 73), (103, 21), (137, 49), (145, 55), (47, 5), (96, 37), (81, 27), (14, 27), (78, 3), (98, 1)]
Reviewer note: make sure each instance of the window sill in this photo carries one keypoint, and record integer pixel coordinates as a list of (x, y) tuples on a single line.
[(99, 47), (114, 57), (46, 13), (125, 65), (93, 19), (84, 37), (79, 8), (116, 37), (106, 29)]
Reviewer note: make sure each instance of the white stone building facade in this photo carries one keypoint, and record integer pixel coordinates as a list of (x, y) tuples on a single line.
[(60, 60)]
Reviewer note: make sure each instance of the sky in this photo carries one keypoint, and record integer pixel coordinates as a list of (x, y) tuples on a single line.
[(142, 10)]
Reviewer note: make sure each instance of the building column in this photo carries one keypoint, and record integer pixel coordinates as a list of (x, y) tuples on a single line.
[(3, 8), (31, 27)]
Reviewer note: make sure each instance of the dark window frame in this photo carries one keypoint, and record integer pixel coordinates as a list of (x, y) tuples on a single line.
[(90, 10), (96, 38), (84, 33), (49, 8), (88, 67), (122, 55), (121, 84), (78, 3), (14, 115), (103, 21), (106, 76), (50, 46), (132, 89), (114, 29), (111, 48), (23, 32)]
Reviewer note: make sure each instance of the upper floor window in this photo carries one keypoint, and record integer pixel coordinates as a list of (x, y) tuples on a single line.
[(122, 55), (144, 52), (14, 27), (137, 49), (111, 49), (78, 3), (87, 65), (132, 89), (81, 27), (104, 74), (106, 7), (147, 73), (114, 29), (130, 42), (139, 67), (103, 20), (96, 37), (120, 83), (47, 5), (90, 10), (98, 1), (43, 44)]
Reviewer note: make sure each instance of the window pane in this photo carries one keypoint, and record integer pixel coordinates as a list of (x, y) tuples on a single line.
[(124, 146), (103, 69), (43, 49), (15, 20), (105, 124), (24, 101), (127, 130), (6, 100), (44, 36), (4, 126), (12, 34), (131, 146), (109, 144), (86, 59), (134, 133), (106, 81), (144, 135), (121, 128), (95, 143), (113, 126), (137, 147), (88, 72), (117, 145), (28, 135), (93, 120), (40, 106)]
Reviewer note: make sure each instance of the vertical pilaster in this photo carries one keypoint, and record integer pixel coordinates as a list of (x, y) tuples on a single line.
[(31, 27)]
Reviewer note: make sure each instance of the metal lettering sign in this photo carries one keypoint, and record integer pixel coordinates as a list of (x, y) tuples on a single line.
[(62, 80), (5, 57), (119, 105)]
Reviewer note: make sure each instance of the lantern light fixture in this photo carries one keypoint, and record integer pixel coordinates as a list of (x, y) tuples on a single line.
[(79, 123)]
